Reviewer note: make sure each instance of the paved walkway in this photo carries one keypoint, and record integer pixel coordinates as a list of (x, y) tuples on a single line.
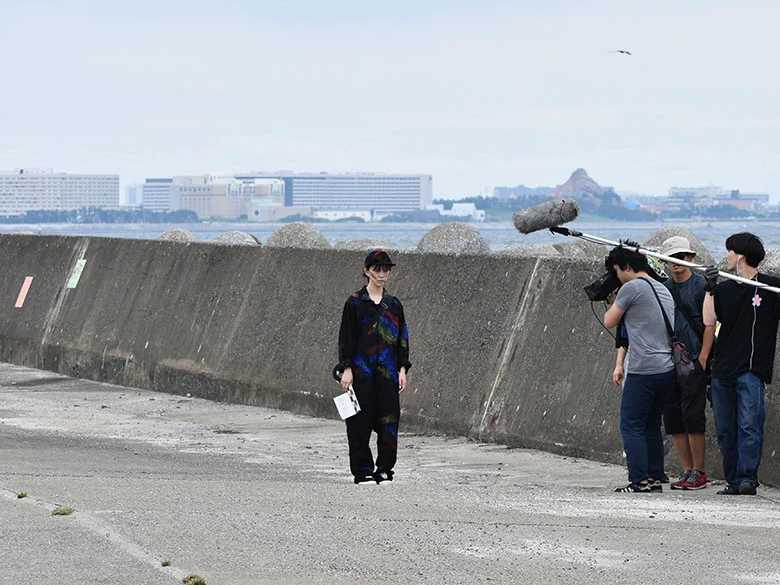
[(242, 495)]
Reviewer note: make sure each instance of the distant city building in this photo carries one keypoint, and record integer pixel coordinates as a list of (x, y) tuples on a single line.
[(465, 210), (378, 192), (752, 202), (708, 192), (682, 199), (161, 195), (223, 196), (521, 191), (261, 210), (134, 195), (268, 196), (696, 199), (651, 203), (23, 190), (336, 215)]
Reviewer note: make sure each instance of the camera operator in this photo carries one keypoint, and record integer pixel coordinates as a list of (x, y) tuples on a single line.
[(650, 373)]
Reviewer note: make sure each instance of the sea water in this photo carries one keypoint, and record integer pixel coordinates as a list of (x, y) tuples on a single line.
[(402, 236)]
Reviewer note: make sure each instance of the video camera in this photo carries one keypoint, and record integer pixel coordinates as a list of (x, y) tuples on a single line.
[(603, 286), (607, 283)]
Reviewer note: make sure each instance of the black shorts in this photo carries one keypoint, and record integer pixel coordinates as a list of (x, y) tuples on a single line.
[(684, 411)]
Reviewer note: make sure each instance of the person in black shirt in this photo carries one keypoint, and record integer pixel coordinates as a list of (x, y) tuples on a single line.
[(374, 359), (744, 358)]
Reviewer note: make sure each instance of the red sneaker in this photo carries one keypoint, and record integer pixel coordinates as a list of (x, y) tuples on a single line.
[(678, 485), (696, 480)]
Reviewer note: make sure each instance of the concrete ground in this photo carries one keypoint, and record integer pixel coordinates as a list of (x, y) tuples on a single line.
[(242, 495)]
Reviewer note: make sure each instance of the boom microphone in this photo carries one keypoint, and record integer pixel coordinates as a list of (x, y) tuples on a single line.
[(545, 215), (653, 266)]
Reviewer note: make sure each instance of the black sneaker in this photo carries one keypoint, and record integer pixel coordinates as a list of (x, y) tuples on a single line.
[(383, 476), (747, 489), (365, 479), (729, 490), (636, 488), (655, 485), (664, 477)]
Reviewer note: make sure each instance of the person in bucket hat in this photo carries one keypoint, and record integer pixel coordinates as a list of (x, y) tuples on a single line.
[(684, 415), (374, 359)]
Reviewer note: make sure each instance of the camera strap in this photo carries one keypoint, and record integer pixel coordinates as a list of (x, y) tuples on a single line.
[(686, 313), (672, 336)]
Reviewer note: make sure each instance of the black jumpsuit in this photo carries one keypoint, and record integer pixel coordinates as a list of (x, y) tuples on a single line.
[(374, 342)]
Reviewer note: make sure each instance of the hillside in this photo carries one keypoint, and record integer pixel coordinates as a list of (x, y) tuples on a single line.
[(588, 193)]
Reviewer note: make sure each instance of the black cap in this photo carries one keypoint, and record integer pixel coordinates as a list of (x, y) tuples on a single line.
[(378, 257)]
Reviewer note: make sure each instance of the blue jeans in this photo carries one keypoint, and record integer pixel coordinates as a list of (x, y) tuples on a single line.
[(644, 397), (739, 410)]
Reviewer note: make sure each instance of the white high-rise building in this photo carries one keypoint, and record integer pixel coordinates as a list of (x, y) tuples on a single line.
[(379, 192), (23, 190), (161, 195), (223, 195)]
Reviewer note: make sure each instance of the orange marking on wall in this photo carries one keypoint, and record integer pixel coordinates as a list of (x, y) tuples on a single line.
[(23, 292)]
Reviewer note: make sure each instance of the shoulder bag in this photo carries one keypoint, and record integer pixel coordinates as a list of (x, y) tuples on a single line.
[(683, 362)]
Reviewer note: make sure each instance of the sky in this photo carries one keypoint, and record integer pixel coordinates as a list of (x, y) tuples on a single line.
[(476, 93)]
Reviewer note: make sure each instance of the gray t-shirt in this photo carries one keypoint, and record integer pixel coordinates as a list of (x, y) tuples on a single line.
[(648, 339)]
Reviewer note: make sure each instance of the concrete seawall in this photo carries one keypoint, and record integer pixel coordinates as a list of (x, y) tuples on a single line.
[(504, 348)]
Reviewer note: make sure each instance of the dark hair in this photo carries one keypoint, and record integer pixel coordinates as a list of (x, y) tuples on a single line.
[(748, 245), (626, 258)]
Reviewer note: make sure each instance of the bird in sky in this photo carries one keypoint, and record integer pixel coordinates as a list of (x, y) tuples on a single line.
[(621, 51)]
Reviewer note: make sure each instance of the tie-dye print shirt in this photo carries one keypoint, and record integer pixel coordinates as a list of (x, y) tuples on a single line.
[(374, 339)]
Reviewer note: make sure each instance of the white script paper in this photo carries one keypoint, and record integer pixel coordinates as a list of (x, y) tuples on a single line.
[(347, 404)]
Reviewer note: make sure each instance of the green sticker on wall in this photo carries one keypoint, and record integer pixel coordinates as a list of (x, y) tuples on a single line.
[(76, 274)]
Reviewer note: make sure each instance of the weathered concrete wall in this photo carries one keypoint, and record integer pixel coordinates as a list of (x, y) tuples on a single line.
[(504, 348)]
